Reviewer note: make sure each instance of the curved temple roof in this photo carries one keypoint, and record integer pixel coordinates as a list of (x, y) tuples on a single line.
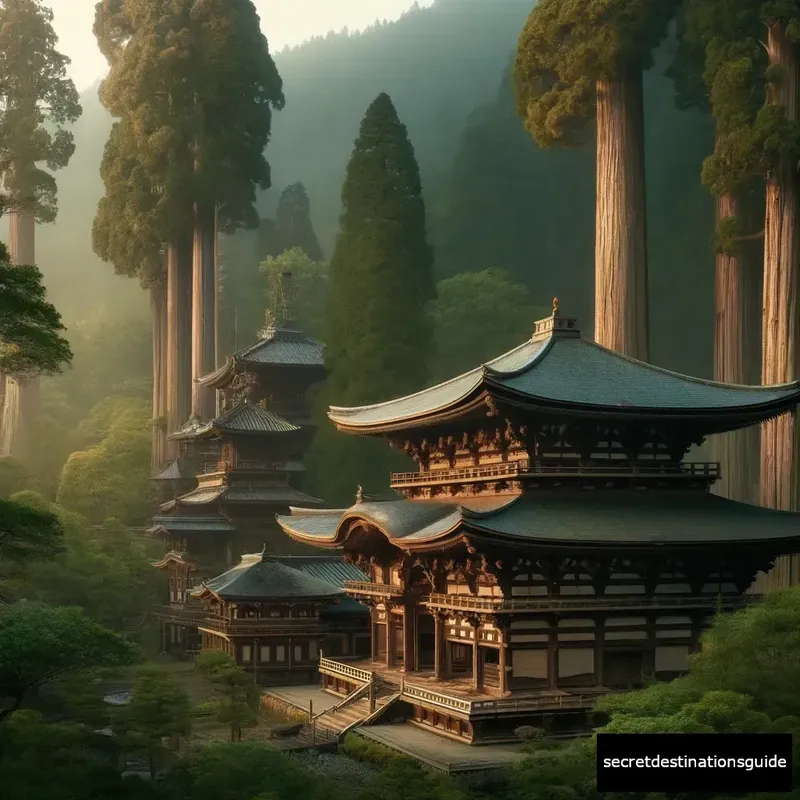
[(560, 517), (260, 577), (558, 370), (244, 418)]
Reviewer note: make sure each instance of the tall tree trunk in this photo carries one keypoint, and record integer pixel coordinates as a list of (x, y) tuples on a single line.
[(20, 400), (203, 310), (179, 335), (620, 317), (779, 475), (729, 358), (158, 311)]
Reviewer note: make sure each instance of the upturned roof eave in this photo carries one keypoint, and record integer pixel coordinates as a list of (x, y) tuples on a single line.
[(220, 377)]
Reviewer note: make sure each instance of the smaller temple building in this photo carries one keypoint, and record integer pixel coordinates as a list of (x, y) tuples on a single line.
[(555, 544), (275, 615), (235, 472)]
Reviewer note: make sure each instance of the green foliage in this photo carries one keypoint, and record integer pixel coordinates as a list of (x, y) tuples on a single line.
[(566, 774), (238, 771), (30, 327), (378, 337), (402, 778), (362, 749), (62, 761), (105, 570), (770, 672), (111, 477), (14, 477), (199, 138), (308, 293), (477, 316), (291, 227), (566, 46), (28, 532), (158, 710), (238, 702), (40, 645), (40, 101)]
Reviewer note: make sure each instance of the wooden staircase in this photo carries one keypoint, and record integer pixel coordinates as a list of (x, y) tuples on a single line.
[(341, 719)]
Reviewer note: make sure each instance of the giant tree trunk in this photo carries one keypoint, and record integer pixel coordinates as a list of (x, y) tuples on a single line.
[(731, 449), (203, 310), (779, 449), (179, 335), (158, 311), (620, 317), (20, 400)]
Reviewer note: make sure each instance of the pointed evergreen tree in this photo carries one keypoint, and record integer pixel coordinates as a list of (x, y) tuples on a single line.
[(379, 335), (291, 227)]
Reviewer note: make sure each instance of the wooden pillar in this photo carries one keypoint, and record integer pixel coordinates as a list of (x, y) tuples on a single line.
[(409, 664), (203, 311), (158, 311), (502, 659), (439, 668), (373, 633), (599, 651), (389, 636), (552, 655), (476, 665)]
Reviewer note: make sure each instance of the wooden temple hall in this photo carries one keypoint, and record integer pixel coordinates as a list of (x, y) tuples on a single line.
[(555, 542)]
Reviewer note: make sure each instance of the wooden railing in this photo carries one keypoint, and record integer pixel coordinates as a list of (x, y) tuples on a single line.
[(341, 670), (263, 625), (705, 469), (494, 604), (511, 704), (411, 692), (369, 588), (506, 469)]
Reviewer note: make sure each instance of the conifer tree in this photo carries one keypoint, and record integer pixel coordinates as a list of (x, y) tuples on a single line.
[(378, 335), (578, 60), (291, 227), (716, 62), (39, 101), (763, 141)]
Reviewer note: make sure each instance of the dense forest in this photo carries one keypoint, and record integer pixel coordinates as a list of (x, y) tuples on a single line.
[(430, 184)]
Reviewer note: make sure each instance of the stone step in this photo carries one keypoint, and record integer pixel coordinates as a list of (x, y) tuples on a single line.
[(354, 712)]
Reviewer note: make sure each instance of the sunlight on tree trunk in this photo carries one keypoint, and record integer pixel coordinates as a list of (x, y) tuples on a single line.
[(158, 311), (621, 319), (203, 310)]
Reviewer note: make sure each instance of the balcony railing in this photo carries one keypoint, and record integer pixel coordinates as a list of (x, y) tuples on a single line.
[(511, 469), (265, 626), (182, 612), (488, 472), (499, 604), (340, 670), (545, 702), (368, 588)]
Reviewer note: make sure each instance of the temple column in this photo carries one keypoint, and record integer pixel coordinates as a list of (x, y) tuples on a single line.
[(373, 633), (552, 655), (476, 670), (389, 637), (503, 657), (439, 646), (409, 664), (599, 650)]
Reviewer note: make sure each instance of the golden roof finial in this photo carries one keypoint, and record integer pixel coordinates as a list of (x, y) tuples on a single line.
[(555, 306)]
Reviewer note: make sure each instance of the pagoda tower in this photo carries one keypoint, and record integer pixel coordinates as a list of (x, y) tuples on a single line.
[(237, 470), (555, 544)]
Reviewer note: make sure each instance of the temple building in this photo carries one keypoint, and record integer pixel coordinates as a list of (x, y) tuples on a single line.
[(236, 471), (555, 543), (276, 614)]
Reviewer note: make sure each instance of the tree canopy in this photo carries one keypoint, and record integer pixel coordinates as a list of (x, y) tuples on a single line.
[(30, 327), (567, 45), (291, 227), (40, 645), (39, 102)]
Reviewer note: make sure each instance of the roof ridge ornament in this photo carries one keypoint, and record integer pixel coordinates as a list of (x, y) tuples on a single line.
[(555, 325), (359, 495)]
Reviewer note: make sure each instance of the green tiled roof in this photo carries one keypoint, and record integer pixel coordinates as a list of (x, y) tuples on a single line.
[(563, 517), (283, 495), (188, 524), (243, 418), (558, 368), (261, 577), (282, 346)]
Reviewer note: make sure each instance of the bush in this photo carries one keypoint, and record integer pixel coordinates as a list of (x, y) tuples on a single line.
[(362, 749)]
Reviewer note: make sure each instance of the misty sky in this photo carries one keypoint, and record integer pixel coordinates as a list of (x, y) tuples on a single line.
[(285, 22)]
